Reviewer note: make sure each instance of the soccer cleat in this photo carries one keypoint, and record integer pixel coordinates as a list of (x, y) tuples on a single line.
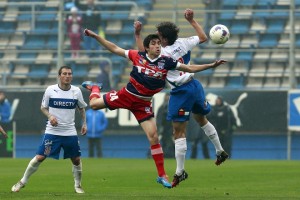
[(164, 181), (79, 190), (178, 178), (17, 187), (89, 84), (221, 158)]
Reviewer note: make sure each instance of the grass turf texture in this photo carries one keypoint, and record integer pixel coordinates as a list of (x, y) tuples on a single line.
[(136, 179)]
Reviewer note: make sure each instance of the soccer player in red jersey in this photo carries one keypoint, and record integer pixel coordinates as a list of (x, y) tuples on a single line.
[(146, 79)]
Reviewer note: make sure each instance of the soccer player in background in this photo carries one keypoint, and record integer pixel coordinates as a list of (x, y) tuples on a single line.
[(59, 104), (187, 94), (146, 79), (3, 131)]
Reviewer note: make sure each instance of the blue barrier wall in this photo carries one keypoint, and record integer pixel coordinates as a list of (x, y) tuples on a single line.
[(269, 147)]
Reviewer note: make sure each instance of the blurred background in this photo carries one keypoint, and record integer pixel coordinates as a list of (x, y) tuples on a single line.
[(259, 83)]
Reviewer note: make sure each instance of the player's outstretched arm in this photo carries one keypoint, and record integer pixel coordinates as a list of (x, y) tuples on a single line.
[(107, 44), (199, 68), (137, 34), (189, 16), (3, 131)]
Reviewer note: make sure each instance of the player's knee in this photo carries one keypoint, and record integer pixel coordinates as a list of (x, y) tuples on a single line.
[(76, 161), (40, 158)]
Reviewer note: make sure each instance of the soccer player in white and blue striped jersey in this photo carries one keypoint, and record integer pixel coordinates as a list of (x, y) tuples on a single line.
[(59, 104)]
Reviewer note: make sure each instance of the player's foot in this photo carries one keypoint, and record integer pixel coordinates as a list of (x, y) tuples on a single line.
[(164, 181), (221, 158), (79, 190), (89, 84), (17, 187), (178, 178)]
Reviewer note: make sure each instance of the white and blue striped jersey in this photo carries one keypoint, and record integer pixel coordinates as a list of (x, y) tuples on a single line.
[(62, 105), (181, 51)]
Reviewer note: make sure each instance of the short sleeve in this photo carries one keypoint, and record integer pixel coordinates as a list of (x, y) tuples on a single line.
[(45, 101)]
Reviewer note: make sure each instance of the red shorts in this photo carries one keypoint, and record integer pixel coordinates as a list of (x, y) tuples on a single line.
[(141, 109)]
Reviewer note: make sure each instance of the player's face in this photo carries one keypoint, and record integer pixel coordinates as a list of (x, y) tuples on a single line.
[(154, 48), (66, 77)]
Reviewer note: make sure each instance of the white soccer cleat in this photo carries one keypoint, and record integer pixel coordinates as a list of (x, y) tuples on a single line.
[(79, 190), (17, 187)]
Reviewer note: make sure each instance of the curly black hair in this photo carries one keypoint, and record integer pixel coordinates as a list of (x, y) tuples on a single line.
[(169, 31)]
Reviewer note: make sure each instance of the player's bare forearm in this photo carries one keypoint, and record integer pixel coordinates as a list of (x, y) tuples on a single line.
[(53, 121), (3, 131), (107, 44), (199, 68), (137, 34), (189, 16), (83, 118)]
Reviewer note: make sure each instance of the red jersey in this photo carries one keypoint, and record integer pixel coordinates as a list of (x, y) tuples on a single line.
[(148, 76)]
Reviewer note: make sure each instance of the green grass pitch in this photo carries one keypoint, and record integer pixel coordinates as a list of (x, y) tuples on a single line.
[(136, 179)]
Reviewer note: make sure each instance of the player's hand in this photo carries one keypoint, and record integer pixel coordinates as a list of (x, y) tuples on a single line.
[(53, 121), (189, 14), (88, 32), (3, 132), (83, 129), (218, 62), (137, 27)]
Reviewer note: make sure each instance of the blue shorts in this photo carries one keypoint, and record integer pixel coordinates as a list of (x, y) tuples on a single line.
[(52, 144), (185, 99)]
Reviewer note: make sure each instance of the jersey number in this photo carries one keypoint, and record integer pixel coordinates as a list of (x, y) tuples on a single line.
[(113, 96)]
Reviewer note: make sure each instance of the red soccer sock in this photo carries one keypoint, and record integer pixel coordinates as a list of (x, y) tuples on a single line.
[(158, 157), (95, 92)]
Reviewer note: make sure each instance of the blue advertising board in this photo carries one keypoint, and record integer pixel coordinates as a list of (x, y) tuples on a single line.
[(294, 110)]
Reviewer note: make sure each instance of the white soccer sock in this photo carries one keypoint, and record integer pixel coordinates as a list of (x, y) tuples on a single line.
[(212, 134), (31, 168), (180, 151), (77, 170)]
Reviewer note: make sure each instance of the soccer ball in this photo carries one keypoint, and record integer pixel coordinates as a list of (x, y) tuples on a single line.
[(219, 34)]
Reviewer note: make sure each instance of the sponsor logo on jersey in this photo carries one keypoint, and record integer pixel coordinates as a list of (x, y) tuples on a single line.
[(150, 72), (182, 112), (160, 65), (176, 51), (63, 103)]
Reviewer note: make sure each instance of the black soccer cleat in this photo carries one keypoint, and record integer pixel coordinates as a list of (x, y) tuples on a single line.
[(178, 178), (221, 158)]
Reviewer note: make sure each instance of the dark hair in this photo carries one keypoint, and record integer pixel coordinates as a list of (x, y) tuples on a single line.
[(169, 31), (148, 39), (63, 67)]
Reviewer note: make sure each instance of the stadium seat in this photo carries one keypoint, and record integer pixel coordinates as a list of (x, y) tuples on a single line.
[(7, 27), (38, 71), (216, 82), (80, 70), (268, 40), (280, 11), (236, 82), (275, 26), (230, 3), (240, 27), (43, 27), (298, 40), (34, 42), (248, 3), (244, 56), (51, 42)]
